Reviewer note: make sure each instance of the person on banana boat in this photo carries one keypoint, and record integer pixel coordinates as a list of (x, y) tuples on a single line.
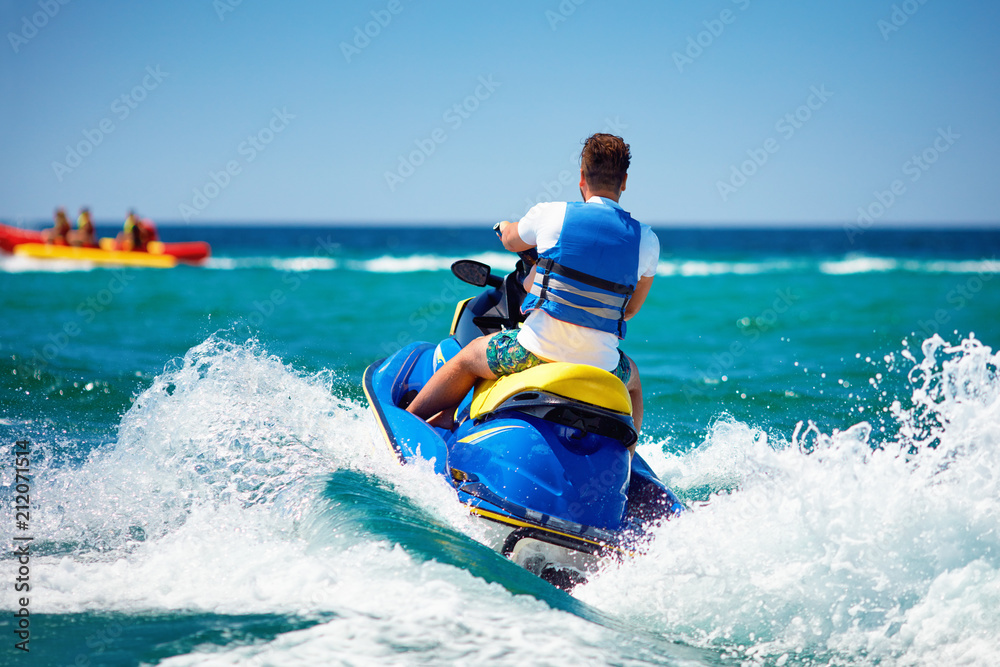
[(84, 235), (136, 234), (132, 237), (57, 234), (595, 267)]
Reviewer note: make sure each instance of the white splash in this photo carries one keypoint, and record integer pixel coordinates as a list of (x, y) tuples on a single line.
[(827, 548), (852, 264), (412, 263), (695, 268), (204, 504), (294, 264), (20, 264)]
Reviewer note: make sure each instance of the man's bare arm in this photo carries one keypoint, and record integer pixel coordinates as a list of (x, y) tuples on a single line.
[(529, 280), (638, 296), (511, 239)]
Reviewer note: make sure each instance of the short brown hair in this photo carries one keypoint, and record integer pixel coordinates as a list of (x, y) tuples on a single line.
[(604, 160)]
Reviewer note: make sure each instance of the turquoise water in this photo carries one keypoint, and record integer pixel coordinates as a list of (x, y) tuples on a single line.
[(206, 487)]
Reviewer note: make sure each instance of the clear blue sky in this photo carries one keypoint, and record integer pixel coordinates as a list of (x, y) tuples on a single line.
[(556, 71)]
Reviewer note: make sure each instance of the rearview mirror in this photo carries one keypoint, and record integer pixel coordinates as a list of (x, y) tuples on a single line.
[(472, 272)]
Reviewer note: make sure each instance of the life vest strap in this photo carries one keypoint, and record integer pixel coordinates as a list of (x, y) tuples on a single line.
[(543, 290), (597, 311), (551, 266)]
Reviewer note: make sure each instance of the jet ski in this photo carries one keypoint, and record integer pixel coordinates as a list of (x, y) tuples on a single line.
[(541, 456)]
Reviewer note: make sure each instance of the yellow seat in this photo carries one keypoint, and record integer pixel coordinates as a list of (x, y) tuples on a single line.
[(578, 382)]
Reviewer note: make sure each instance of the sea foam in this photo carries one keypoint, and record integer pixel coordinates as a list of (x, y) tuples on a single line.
[(834, 547), (809, 549), (206, 502)]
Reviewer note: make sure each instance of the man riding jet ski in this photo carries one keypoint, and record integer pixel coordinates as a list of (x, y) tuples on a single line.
[(595, 266), (543, 448)]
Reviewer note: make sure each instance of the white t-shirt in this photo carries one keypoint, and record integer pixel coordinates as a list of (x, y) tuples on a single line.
[(555, 340)]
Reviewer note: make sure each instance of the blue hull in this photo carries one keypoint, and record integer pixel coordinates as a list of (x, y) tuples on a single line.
[(557, 486)]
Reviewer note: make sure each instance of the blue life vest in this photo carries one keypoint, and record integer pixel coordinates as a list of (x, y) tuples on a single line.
[(589, 275)]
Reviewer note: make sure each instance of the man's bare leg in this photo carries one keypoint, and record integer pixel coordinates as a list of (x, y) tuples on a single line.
[(634, 387), (452, 382)]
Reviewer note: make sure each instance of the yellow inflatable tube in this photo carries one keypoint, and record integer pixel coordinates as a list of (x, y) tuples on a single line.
[(95, 255)]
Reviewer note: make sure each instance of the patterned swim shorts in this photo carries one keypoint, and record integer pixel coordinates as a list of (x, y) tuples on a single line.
[(505, 356)]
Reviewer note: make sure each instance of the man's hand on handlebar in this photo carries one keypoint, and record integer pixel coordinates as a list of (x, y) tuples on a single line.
[(526, 253), (499, 227)]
